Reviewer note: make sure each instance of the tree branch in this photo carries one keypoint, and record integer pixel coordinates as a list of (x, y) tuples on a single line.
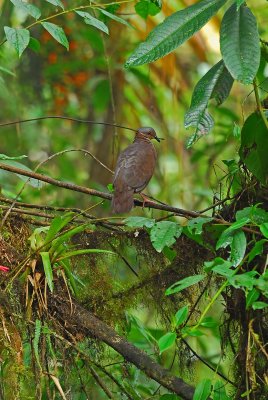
[(84, 320)]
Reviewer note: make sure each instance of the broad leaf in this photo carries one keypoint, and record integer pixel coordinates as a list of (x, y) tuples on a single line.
[(90, 20), (256, 250), (166, 341), (47, 269), (259, 305), (195, 225), (203, 390), (254, 147), (57, 3), (174, 31), (164, 233), (28, 8), (57, 32), (216, 83), (239, 40), (18, 38), (246, 280), (264, 229), (183, 284)]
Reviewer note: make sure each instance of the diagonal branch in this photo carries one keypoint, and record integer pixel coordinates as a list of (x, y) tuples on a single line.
[(84, 320)]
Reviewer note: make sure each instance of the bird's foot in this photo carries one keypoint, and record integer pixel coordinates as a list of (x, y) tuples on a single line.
[(145, 200)]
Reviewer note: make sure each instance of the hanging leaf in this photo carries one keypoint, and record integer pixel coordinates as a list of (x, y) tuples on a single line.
[(90, 20), (28, 8), (216, 83), (57, 3), (239, 40), (57, 32), (238, 248), (115, 17), (18, 38), (254, 147), (174, 31)]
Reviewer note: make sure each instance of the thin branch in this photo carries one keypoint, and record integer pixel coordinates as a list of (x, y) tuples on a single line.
[(108, 196), (81, 121)]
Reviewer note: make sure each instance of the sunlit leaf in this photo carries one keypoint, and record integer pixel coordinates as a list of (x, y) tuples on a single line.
[(174, 31), (166, 341), (18, 38)]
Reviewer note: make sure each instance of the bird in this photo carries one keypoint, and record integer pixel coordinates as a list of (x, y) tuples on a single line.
[(134, 169)]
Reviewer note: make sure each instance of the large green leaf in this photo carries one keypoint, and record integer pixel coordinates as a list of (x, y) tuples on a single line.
[(254, 146), (28, 8), (203, 390), (239, 40), (174, 31), (18, 38), (238, 248), (57, 32), (216, 83)]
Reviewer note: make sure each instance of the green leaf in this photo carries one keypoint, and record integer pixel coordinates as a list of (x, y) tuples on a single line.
[(219, 266), (139, 222), (186, 331), (195, 225), (90, 20), (219, 392), (28, 8), (252, 296), (48, 269), (256, 214), (166, 341), (18, 38), (64, 237), (254, 147), (239, 3), (245, 280), (57, 224), (238, 248), (256, 250), (227, 235), (57, 33), (174, 31), (5, 157), (81, 252), (264, 229), (259, 305), (146, 7), (34, 44), (239, 40), (181, 315), (183, 284), (57, 3), (30, 181), (115, 17), (169, 253), (164, 233), (203, 390), (216, 83), (209, 322)]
